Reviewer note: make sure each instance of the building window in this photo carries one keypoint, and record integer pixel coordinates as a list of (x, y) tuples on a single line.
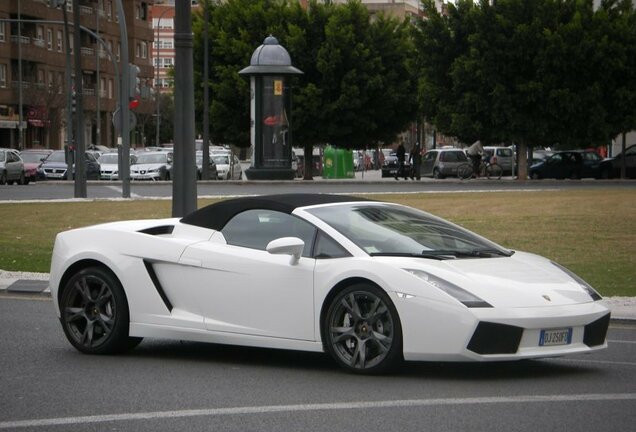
[(60, 44), (109, 9), (3, 76), (41, 77), (144, 50), (138, 50), (167, 62), (118, 51), (49, 39), (50, 79), (167, 44), (2, 33)]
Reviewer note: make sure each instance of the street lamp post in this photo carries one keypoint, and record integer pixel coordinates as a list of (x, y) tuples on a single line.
[(184, 184)]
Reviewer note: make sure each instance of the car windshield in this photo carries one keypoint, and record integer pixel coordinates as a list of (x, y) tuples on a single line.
[(152, 158), (33, 157), (221, 160), (57, 156), (391, 230)]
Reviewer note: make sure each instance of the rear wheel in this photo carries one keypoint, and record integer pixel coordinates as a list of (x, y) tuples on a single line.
[(437, 174), (23, 180), (362, 330), (465, 171), (94, 313), (494, 171), (3, 178)]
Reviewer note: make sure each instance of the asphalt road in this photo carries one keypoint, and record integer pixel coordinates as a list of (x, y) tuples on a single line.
[(45, 385), (369, 182)]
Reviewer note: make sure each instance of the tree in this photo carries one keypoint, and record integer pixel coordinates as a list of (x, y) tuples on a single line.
[(531, 72), (357, 86)]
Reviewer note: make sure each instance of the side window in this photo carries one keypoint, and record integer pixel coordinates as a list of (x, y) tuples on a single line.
[(326, 247), (256, 228)]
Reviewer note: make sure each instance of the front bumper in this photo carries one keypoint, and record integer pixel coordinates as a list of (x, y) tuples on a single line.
[(442, 332)]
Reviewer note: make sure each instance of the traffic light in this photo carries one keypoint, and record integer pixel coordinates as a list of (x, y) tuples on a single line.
[(134, 86)]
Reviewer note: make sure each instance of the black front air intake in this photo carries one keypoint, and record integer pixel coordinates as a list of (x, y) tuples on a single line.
[(493, 338), (596, 331)]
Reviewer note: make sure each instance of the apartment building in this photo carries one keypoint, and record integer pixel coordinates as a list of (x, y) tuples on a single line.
[(33, 58)]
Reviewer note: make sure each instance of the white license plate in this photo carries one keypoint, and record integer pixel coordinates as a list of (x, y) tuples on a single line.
[(555, 337)]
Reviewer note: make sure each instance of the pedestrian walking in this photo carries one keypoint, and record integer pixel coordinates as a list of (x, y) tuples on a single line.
[(401, 156)]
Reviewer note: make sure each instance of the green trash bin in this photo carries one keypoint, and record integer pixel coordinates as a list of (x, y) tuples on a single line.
[(338, 163)]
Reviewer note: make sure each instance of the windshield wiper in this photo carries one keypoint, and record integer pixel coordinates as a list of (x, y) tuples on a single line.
[(427, 254)]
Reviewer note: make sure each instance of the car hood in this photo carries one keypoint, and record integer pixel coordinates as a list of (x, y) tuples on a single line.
[(522, 280), (54, 165), (147, 167)]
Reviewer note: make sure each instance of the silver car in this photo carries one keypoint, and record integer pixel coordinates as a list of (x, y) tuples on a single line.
[(11, 167), (502, 156), (440, 163)]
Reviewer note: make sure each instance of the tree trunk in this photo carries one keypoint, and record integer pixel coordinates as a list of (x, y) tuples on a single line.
[(623, 159), (308, 160), (522, 155)]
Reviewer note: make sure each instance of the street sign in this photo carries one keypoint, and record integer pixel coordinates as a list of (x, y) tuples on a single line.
[(132, 119)]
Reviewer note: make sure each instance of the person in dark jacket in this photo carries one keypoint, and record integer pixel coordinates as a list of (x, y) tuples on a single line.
[(401, 157)]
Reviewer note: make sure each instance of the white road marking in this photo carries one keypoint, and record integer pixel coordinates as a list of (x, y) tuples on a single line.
[(267, 409), (119, 191), (621, 341)]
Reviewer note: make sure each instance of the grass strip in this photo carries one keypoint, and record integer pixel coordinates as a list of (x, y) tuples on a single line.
[(590, 231)]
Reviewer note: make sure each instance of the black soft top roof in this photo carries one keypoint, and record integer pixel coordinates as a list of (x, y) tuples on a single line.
[(216, 215)]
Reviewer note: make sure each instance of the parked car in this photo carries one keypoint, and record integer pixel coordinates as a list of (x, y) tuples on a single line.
[(212, 167), (55, 166), (540, 156), (228, 166), (440, 163), (390, 165), (502, 156), (370, 283), (11, 167), (32, 159), (152, 166), (109, 165), (611, 168), (568, 164)]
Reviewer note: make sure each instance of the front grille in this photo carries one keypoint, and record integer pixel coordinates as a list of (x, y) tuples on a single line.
[(493, 338), (596, 331)]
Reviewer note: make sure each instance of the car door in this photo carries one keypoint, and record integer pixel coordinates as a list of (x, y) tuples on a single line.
[(14, 166), (428, 161), (245, 289), (630, 162)]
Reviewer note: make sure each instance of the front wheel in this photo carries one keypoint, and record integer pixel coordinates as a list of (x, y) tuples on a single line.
[(465, 171), (94, 313), (494, 171), (362, 330)]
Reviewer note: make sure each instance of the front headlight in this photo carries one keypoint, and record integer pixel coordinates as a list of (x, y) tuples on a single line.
[(460, 294), (586, 286)]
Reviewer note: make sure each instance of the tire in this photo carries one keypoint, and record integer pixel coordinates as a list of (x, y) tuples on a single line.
[(465, 171), (535, 176), (166, 177), (94, 313), (23, 180), (494, 171), (437, 174), (362, 330), (3, 178)]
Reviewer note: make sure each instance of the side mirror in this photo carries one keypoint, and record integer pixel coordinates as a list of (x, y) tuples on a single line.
[(287, 246)]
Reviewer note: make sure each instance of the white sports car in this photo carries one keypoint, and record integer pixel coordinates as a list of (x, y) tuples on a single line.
[(369, 282)]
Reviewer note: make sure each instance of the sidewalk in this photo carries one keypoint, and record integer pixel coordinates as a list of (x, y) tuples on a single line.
[(623, 308)]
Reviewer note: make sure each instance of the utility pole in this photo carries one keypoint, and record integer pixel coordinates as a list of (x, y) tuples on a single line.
[(205, 169), (184, 184), (124, 110), (80, 148), (20, 107), (98, 93)]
